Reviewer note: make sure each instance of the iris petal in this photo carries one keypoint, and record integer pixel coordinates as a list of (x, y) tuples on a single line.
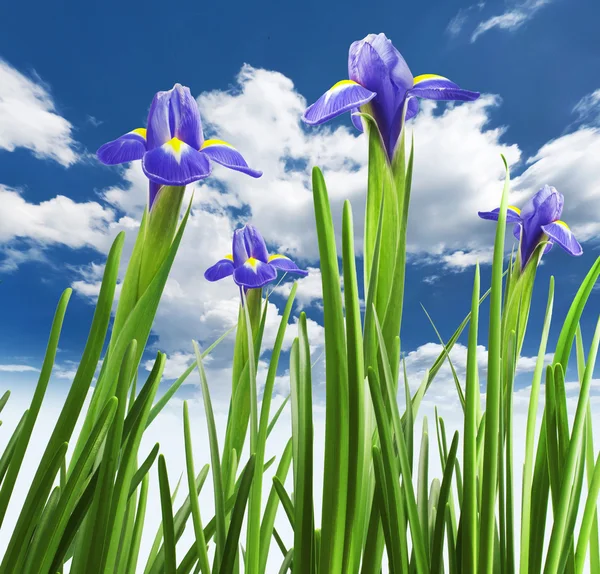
[(342, 97), (239, 250), (186, 124), (159, 131), (129, 147), (412, 108), (559, 232), (175, 163), (255, 244), (434, 87), (254, 274), (286, 264), (153, 192), (398, 69), (221, 269), (512, 215), (226, 155), (357, 120)]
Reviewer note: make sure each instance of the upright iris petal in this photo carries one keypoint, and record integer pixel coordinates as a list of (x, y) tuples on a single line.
[(376, 65), (539, 220), (250, 263), (172, 148)]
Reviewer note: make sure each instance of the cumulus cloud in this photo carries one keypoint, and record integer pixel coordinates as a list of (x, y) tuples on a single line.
[(512, 19), (29, 118), (18, 369)]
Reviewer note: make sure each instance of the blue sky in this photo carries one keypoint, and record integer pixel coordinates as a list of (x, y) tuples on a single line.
[(98, 67)]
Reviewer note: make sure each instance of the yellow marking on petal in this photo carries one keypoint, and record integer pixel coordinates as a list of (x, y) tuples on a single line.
[(140, 132), (424, 77), (175, 144), (343, 84), (229, 256), (562, 223), (276, 256), (208, 143), (252, 262), (515, 209)]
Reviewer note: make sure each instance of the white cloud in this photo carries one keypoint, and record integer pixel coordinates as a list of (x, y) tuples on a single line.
[(59, 220), (512, 19), (18, 369), (29, 119), (457, 23), (310, 289), (587, 109)]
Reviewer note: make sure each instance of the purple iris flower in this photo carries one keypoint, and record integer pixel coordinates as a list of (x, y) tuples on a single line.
[(539, 220), (379, 76), (173, 149), (250, 263)]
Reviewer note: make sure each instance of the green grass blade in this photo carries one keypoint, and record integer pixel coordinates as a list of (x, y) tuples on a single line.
[(526, 500), (287, 562), (237, 517), (437, 547), (301, 383), (142, 471), (494, 381), (587, 521), (335, 485), (10, 447), (216, 464), (358, 440), (561, 515), (276, 416), (423, 483), (138, 528), (284, 498), (469, 499), (253, 550), (24, 436), (167, 517), (268, 520), (195, 506)]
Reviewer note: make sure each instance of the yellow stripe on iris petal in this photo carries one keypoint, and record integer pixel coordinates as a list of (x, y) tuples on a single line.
[(208, 143), (343, 84), (229, 256), (252, 263), (175, 145), (562, 223), (139, 132), (276, 256), (424, 77), (516, 209)]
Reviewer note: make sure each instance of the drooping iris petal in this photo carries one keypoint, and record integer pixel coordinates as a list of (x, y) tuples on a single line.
[(254, 274), (412, 108), (153, 192), (175, 163), (397, 67), (357, 120), (128, 147), (434, 87), (366, 67), (286, 264), (559, 232), (255, 244), (228, 156), (239, 250), (512, 215), (342, 97), (517, 234), (222, 268)]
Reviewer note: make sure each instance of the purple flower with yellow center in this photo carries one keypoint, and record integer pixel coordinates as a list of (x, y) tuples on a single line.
[(172, 148), (539, 220), (380, 77), (250, 263)]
